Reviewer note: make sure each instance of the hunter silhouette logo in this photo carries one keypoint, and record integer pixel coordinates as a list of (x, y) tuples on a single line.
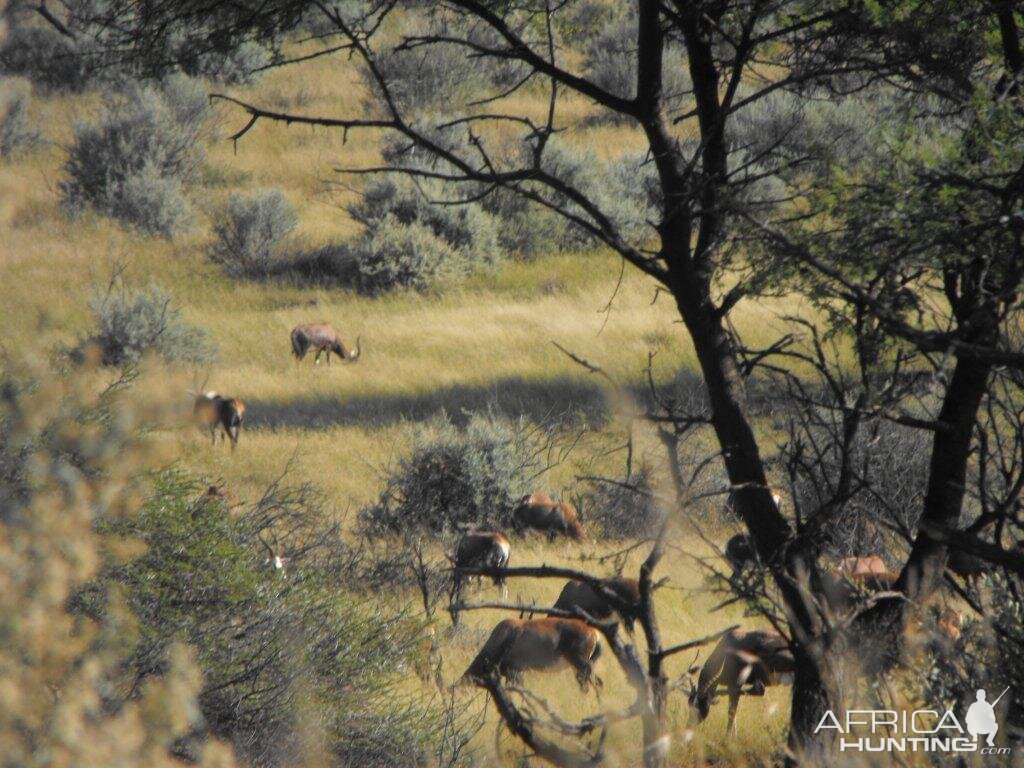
[(981, 717), (922, 730)]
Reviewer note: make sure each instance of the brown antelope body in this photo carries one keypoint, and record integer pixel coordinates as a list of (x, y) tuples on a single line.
[(580, 595), (746, 662), (862, 566), (844, 590), (520, 645), (213, 411), (321, 338), (539, 512), (481, 549)]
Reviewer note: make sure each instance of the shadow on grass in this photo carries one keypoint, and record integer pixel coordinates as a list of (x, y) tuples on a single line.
[(561, 401)]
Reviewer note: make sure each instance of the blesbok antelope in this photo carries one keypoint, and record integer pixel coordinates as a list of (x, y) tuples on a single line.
[(739, 553), (479, 549), (213, 410), (520, 645), (580, 595), (741, 663), (321, 337), (845, 590), (539, 512), (861, 565)]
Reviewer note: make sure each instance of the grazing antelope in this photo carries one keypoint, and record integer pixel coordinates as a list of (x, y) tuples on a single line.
[(739, 553), (479, 549), (212, 411), (580, 595), (540, 513), (861, 566), (745, 662), (845, 590), (518, 645), (321, 337)]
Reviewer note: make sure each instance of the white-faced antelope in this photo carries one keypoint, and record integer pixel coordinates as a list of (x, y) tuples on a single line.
[(580, 595), (741, 663), (321, 338), (539, 512), (519, 645), (213, 411), (479, 549)]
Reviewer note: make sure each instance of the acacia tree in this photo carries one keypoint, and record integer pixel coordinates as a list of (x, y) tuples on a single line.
[(709, 191)]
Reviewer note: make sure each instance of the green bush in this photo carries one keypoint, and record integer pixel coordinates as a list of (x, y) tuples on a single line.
[(69, 459), (283, 650), (250, 233), (129, 324), (457, 477), (132, 162)]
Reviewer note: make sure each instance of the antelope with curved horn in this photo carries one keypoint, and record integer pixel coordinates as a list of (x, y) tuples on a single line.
[(321, 337), (213, 410), (518, 645), (745, 662)]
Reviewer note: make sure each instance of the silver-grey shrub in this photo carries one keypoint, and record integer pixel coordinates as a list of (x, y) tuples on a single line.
[(44, 56), (130, 324), (250, 233), (457, 477), (16, 133), (465, 228), (394, 255), (132, 162), (241, 65)]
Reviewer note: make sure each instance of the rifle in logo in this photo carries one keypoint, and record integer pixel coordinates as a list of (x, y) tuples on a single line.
[(981, 717)]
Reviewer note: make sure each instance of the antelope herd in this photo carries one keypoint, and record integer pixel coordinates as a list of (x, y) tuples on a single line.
[(741, 662)]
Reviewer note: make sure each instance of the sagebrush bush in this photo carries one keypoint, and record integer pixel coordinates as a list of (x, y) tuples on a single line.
[(146, 143), (250, 233), (16, 133), (457, 477), (395, 255), (623, 511), (129, 324), (239, 65), (526, 229), (46, 57), (465, 228)]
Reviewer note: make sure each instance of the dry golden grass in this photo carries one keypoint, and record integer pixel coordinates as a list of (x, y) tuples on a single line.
[(488, 343)]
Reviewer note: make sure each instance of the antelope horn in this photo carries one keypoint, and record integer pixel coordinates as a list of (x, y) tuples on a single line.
[(355, 352)]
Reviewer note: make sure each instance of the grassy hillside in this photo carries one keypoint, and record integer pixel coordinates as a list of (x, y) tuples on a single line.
[(486, 344)]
